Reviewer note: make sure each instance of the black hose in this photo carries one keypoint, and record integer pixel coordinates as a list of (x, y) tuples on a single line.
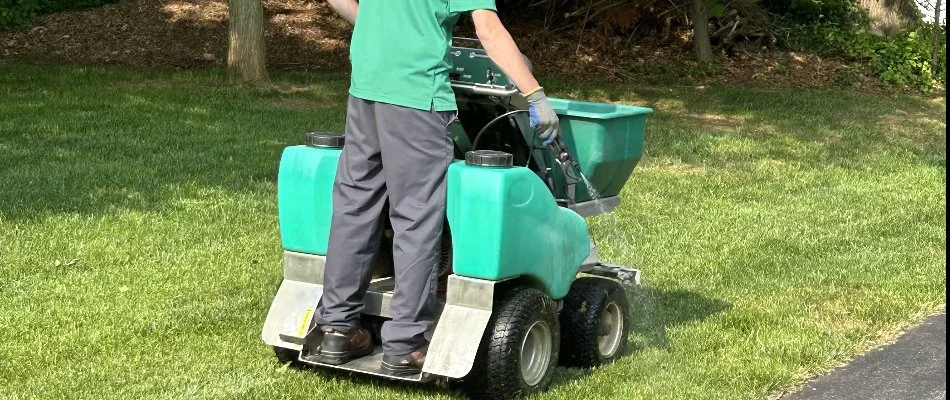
[(490, 123)]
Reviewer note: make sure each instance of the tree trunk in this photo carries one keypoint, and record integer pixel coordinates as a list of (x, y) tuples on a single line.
[(246, 41), (701, 31), (936, 52)]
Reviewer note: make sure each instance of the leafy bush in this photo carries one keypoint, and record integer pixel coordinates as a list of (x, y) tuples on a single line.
[(839, 28), (902, 59), (15, 13), (18, 12), (809, 11)]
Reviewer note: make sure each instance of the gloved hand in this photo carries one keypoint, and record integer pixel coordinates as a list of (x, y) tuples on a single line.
[(543, 118)]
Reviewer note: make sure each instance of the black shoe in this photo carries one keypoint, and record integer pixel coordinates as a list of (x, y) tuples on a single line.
[(405, 365), (340, 347)]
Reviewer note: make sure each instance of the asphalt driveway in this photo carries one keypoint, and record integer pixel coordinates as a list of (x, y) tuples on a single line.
[(913, 368)]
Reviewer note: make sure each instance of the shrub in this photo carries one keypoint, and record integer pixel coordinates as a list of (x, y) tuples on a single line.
[(839, 28), (810, 11), (15, 13), (902, 59), (18, 12)]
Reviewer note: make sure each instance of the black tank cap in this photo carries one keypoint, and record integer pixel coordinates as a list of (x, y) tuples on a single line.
[(325, 139), (489, 158)]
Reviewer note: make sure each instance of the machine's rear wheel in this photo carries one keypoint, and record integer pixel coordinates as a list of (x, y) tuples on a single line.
[(520, 347), (595, 322)]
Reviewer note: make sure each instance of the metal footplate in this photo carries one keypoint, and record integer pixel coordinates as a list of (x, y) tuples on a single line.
[(596, 207), (626, 275), (593, 266), (370, 364), (462, 319)]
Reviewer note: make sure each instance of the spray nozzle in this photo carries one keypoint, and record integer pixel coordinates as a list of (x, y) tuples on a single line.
[(569, 166)]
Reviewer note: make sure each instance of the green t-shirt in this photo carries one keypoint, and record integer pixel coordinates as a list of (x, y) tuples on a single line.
[(400, 51)]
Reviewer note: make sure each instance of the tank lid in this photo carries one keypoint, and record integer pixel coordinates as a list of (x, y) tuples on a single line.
[(489, 158), (325, 139)]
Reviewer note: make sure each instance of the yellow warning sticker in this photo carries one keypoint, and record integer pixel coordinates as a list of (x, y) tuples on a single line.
[(302, 330)]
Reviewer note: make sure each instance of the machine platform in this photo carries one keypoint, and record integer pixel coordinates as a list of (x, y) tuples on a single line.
[(370, 364)]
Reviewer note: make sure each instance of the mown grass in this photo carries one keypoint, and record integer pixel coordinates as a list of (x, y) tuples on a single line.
[(781, 232)]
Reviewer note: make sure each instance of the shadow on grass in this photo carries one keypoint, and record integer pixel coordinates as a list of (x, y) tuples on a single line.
[(652, 313), (655, 311), (403, 388), (97, 142), (93, 141)]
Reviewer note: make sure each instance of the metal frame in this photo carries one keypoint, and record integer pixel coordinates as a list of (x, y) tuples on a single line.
[(462, 319), (593, 266), (289, 319), (595, 207), (483, 89), (460, 327)]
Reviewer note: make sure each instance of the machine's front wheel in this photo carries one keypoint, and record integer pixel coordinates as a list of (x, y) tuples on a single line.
[(520, 348), (285, 356), (595, 322)]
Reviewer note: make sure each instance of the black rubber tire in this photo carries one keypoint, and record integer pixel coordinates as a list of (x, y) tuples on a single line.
[(497, 370), (580, 321), (285, 356)]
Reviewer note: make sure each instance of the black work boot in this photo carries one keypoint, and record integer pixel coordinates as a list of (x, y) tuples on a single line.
[(339, 347), (405, 365)]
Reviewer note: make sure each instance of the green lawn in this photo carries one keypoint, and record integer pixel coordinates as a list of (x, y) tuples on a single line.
[(781, 232)]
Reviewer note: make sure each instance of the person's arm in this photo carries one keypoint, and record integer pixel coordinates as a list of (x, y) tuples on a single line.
[(503, 51), (345, 8), (501, 48)]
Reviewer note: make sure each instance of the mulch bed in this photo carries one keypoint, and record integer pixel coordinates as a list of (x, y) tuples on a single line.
[(302, 34)]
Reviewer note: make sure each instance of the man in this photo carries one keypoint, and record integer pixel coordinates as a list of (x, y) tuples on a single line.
[(398, 148)]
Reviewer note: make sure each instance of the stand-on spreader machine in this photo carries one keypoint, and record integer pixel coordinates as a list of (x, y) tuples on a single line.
[(521, 287)]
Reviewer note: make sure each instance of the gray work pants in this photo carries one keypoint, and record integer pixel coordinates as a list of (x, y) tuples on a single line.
[(400, 154)]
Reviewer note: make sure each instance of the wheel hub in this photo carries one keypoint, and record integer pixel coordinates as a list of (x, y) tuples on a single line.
[(611, 328), (535, 353)]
